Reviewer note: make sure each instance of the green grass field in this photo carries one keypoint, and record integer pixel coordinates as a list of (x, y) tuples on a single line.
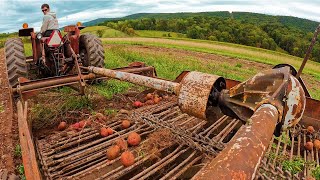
[(159, 34), (227, 49), (105, 31)]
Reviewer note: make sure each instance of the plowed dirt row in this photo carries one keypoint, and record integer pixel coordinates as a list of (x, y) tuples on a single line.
[(7, 132)]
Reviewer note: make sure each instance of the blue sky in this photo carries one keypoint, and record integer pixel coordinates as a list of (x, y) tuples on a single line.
[(13, 13)]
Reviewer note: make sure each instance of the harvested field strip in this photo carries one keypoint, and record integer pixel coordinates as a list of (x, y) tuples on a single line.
[(170, 62), (227, 49)]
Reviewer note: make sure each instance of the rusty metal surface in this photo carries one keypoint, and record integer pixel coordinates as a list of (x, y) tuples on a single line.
[(29, 159), (276, 86), (158, 84), (69, 28), (242, 156), (311, 115), (194, 93), (294, 104)]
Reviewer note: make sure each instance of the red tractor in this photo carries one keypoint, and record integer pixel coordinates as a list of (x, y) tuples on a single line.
[(53, 54)]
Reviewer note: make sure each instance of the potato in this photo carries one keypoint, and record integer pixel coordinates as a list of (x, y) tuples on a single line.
[(127, 158), (309, 146), (82, 124), (104, 132), (149, 96), (137, 104), (113, 152), (125, 124), (62, 126), (156, 100), (134, 139), (310, 129), (316, 144), (110, 131), (76, 126)]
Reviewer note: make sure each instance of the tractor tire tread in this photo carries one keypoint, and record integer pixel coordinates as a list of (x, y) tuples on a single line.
[(15, 60), (94, 49)]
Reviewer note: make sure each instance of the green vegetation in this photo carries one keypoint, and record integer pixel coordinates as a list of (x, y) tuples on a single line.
[(227, 49), (316, 173), (103, 32), (17, 151), (111, 87), (4, 37), (1, 108), (160, 34), (110, 112), (57, 102), (170, 67), (20, 170), (249, 29), (294, 166)]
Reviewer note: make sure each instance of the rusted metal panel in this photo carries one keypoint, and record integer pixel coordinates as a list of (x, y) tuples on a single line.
[(295, 103), (311, 115), (30, 88), (231, 83), (194, 93), (29, 159), (70, 28), (243, 154)]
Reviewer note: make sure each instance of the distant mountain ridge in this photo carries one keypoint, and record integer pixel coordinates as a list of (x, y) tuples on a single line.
[(290, 21)]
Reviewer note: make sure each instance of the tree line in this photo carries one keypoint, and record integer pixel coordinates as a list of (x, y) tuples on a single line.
[(268, 35)]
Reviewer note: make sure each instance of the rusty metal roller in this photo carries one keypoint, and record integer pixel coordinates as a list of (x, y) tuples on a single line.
[(195, 90)]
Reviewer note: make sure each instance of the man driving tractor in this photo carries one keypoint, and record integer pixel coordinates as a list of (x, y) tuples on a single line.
[(50, 20)]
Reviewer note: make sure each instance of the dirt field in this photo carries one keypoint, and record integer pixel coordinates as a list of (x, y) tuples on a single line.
[(8, 131)]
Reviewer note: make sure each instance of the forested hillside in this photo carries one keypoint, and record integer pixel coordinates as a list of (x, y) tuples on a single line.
[(279, 33)]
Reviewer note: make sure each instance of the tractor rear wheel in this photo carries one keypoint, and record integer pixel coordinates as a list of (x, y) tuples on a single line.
[(91, 50), (15, 60)]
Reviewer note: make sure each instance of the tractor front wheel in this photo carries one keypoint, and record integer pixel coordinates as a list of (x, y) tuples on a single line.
[(91, 50), (15, 60)]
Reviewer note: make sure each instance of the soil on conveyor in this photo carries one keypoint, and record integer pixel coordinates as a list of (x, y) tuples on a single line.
[(8, 126)]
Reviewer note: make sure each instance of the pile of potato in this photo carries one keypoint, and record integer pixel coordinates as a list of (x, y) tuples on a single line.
[(150, 99)]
